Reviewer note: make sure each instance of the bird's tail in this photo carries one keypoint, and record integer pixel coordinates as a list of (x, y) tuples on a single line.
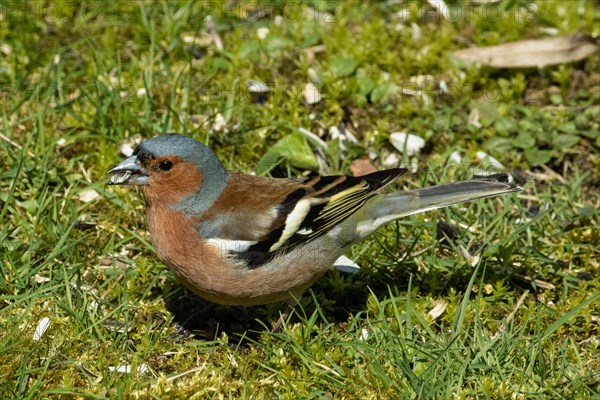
[(388, 207)]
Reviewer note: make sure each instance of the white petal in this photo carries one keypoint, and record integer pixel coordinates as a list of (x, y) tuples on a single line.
[(473, 260), (4, 48), (126, 369), (350, 136), (311, 94), (257, 87), (455, 157), (417, 93), (408, 142), (123, 369), (416, 32), (364, 334), (438, 309), (492, 162), (549, 31), (441, 7), (41, 328), (444, 87), (219, 122), (473, 118), (313, 76), (262, 33), (40, 279), (88, 195), (392, 160), (335, 133), (126, 149)]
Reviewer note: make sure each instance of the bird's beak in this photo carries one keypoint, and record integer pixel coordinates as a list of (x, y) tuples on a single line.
[(128, 172)]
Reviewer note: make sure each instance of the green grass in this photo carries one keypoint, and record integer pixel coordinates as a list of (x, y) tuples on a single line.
[(77, 79)]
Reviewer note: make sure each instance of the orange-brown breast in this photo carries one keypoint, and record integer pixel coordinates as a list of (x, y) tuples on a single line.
[(210, 272)]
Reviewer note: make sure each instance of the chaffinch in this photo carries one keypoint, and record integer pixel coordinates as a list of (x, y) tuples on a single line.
[(239, 239)]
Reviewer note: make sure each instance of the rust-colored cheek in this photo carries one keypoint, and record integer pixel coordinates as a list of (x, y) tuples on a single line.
[(171, 187)]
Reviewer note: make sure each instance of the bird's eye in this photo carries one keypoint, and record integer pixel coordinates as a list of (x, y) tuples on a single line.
[(165, 165)]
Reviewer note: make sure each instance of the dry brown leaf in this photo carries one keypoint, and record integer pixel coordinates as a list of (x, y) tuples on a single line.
[(532, 53), (362, 166)]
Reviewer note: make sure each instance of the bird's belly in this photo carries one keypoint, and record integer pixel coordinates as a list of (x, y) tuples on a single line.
[(284, 277), (213, 273)]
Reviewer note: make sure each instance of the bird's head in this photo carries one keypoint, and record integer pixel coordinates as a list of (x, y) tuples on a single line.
[(175, 171)]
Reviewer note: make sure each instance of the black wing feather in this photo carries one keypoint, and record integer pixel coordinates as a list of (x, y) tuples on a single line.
[(333, 199)]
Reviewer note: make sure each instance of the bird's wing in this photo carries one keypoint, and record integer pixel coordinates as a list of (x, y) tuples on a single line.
[(313, 209)]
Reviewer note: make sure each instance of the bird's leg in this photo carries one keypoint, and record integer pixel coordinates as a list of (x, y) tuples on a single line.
[(282, 318)]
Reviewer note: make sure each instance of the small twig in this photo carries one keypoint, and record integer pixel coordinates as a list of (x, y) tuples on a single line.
[(211, 26), (282, 319), (422, 251), (510, 316), (15, 144), (550, 172), (537, 282), (191, 371), (529, 197), (328, 369), (83, 368)]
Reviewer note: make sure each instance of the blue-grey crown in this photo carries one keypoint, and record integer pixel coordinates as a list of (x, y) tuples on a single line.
[(189, 150), (181, 146)]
